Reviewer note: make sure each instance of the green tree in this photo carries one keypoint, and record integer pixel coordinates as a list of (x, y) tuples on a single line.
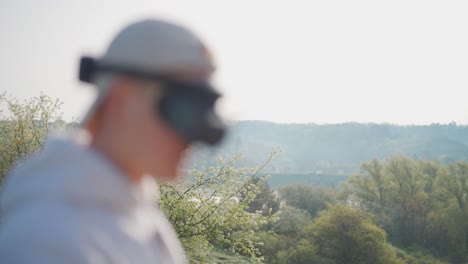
[(208, 214), (304, 253), (291, 222), (347, 235), (418, 257), (372, 186), (265, 201), (283, 241), (455, 182), (411, 203), (311, 198), (401, 192), (24, 127)]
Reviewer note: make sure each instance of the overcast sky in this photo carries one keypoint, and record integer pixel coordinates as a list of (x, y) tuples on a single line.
[(403, 62)]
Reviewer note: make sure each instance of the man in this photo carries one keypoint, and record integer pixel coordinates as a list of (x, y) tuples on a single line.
[(86, 197)]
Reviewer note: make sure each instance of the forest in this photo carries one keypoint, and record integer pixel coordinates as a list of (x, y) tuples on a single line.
[(340, 148), (400, 201)]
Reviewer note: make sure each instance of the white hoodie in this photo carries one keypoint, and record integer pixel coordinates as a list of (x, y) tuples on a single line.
[(69, 204)]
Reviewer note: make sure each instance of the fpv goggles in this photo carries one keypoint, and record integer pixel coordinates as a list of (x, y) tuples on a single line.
[(188, 108)]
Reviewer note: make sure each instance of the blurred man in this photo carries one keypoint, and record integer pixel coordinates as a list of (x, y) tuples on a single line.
[(86, 197)]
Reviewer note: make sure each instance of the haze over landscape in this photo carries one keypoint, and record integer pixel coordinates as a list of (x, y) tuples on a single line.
[(401, 62), (340, 149), (348, 139)]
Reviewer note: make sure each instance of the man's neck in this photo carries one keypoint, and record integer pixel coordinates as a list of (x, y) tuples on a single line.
[(117, 155)]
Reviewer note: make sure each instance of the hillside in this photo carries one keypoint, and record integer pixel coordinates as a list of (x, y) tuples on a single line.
[(339, 148)]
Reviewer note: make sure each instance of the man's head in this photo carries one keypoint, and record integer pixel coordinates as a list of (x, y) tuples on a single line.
[(155, 98)]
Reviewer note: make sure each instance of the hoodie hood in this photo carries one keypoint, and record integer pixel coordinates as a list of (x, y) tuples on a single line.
[(69, 169)]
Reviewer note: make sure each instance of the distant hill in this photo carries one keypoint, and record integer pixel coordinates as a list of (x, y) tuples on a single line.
[(339, 149)]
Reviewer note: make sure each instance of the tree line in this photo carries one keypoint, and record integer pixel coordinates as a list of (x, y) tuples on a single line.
[(421, 204), (335, 148), (396, 210)]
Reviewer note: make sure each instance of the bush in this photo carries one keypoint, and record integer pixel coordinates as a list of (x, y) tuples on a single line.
[(24, 127), (311, 198), (207, 212), (347, 235)]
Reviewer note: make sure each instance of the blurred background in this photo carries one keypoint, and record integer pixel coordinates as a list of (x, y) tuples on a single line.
[(401, 62), (351, 137)]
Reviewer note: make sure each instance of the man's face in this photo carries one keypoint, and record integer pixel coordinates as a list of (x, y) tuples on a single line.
[(154, 146)]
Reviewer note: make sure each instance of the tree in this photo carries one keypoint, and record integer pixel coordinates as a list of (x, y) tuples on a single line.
[(347, 235), (265, 201), (282, 241), (401, 193), (24, 127), (304, 253), (372, 187), (311, 198), (207, 212), (291, 222), (455, 182), (411, 204)]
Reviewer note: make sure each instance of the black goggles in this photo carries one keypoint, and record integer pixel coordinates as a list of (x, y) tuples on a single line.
[(187, 107)]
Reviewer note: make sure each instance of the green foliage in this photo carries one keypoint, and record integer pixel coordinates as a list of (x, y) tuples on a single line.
[(24, 127), (265, 201), (373, 188), (223, 257), (227, 213), (284, 241), (454, 180), (411, 204), (417, 202), (207, 211), (420, 204), (307, 197), (291, 221), (347, 235), (274, 247), (304, 253), (417, 257)]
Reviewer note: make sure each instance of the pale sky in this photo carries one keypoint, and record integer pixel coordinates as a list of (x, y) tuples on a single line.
[(403, 62)]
